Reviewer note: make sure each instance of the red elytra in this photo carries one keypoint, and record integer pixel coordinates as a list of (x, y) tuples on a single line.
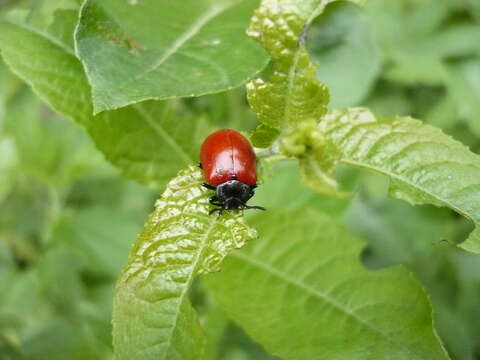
[(225, 155)]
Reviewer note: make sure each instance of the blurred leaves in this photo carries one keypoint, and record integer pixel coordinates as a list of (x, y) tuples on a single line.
[(341, 41), (58, 265)]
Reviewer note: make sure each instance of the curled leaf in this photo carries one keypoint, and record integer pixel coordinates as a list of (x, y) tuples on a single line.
[(291, 94), (425, 166), (317, 155)]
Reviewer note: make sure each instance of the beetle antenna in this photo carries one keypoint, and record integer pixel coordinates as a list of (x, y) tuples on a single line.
[(254, 207)]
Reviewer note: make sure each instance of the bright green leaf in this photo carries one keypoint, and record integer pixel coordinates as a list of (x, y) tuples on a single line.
[(160, 50), (291, 94), (153, 318), (318, 157), (301, 292), (342, 43), (264, 136), (424, 165)]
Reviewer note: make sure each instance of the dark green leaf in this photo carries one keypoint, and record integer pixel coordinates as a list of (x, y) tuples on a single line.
[(160, 50)]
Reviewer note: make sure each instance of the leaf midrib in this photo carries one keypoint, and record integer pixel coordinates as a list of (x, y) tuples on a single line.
[(292, 72), (188, 34), (314, 292), (158, 129), (189, 283), (367, 166), (41, 34)]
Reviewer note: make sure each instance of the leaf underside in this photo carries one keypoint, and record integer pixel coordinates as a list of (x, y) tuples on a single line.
[(424, 165)]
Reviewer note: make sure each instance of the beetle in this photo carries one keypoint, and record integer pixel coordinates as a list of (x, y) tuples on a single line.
[(229, 167)]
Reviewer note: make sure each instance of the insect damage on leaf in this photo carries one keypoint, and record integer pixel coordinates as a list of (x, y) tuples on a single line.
[(291, 94), (317, 155), (152, 313), (292, 101)]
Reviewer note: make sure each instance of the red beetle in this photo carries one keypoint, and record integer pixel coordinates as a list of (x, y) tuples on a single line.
[(229, 167)]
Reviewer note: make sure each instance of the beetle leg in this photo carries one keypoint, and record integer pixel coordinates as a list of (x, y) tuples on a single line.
[(214, 201), (219, 209), (209, 187), (200, 165)]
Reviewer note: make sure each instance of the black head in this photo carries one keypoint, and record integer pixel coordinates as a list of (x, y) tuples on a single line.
[(234, 194)]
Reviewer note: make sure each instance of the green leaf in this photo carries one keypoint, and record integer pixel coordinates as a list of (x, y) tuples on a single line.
[(152, 316), (342, 42), (215, 324), (317, 155), (149, 142), (424, 165), (464, 85), (56, 75), (316, 300), (264, 136), (8, 162), (160, 50), (282, 188), (291, 94)]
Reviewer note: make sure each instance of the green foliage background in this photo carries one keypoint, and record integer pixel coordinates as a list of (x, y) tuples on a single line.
[(68, 217)]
